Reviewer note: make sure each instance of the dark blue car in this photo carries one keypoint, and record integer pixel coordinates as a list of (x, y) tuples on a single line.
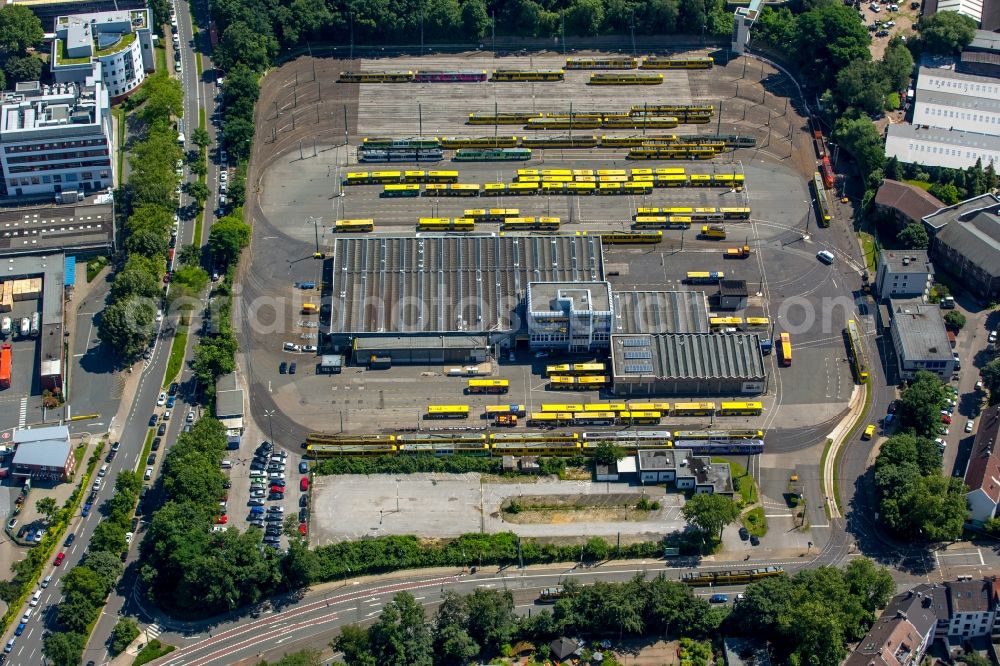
[(20, 629), (86, 510), (152, 420)]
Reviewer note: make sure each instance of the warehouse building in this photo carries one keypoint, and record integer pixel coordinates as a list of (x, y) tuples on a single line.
[(920, 339), (934, 146), (967, 246), (660, 312), (446, 297), (982, 56), (82, 229), (43, 453), (569, 317), (687, 364)]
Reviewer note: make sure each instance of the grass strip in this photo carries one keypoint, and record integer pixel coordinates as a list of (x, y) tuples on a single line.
[(822, 471), (176, 360), (755, 521), (153, 651), (858, 423)]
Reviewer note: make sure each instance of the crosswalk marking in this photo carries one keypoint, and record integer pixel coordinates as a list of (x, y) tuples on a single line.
[(22, 416), (153, 631)]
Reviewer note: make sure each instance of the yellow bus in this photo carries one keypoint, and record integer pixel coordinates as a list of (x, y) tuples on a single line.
[(435, 190), (606, 62), (557, 172), (666, 62), (625, 79), (713, 231), (740, 408), (583, 172), (383, 177), (719, 323), (594, 418), (704, 277), (786, 348), (445, 224), (391, 191), (351, 226), (735, 213), (612, 172), (587, 368), (448, 412), (553, 188), (581, 188), (560, 369), (639, 418), (694, 408), (562, 382), (523, 188), (758, 323), (557, 179), (671, 180), (357, 178), (609, 188), (414, 176), (463, 190), (633, 187), (605, 407), (592, 381), (488, 386), (493, 411), (494, 189), (528, 179), (476, 214), (527, 172), (550, 418), (663, 407), (671, 171), (442, 176), (554, 407), (531, 224), (700, 180)]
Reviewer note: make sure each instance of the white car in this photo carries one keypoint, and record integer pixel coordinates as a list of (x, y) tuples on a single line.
[(969, 425), (128, 537), (166, 415), (159, 318), (309, 348), (279, 476), (190, 417), (223, 175), (149, 474), (825, 256), (161, 400), (979, 385)]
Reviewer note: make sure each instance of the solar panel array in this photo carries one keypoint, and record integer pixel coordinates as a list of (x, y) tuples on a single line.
[(637, 354)]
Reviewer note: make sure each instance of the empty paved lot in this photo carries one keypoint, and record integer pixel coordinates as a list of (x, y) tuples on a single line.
[(448, 505)]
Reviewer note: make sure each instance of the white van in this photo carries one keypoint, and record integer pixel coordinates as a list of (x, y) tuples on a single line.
[(103, 471), (36, 597), (6, 326), (227, 464), (97, 484), (24, 327), (27, 615), (825, 256)]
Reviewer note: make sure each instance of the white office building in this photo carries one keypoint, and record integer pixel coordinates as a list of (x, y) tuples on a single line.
[(56, 138), (933, 146), (120, 41), (569, 316)]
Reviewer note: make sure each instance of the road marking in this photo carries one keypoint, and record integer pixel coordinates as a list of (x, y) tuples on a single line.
[(22, 416)]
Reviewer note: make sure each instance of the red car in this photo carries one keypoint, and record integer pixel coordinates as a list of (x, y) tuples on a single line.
[(946, 419), (222, 520), (59, 558), (303, 529), (304, 484)]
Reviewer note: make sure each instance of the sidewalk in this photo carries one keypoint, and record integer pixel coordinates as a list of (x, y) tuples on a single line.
[(855, 407)]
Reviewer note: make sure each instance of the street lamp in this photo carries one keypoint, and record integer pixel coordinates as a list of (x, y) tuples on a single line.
[(270, 427)]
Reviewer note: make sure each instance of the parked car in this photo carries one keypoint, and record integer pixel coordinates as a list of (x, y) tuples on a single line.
[(156, 443), (303, 467), (969, 425), (718, 598), (59, 559), (282, 367), (291, 368), (152, 421), (161, 399)]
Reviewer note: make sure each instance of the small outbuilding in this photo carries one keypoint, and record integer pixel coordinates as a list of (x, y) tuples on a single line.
[(733, 294), (563, 648), (43, 453)]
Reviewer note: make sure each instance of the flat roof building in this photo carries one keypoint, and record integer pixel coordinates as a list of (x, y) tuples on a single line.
[(660, 312), (733, 294), (684, 469), (80, 229), (934, 146), (687, 364), (43, 453), (903, 274), (422, 349), (572, 317), (120, 42), (920, 339), (230, 403), (56, 139), (448, 285), (48, 10)]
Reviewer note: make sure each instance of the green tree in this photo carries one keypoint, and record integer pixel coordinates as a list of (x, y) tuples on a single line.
[(914, 237), (140, 277), (585, 17), (830, 37), (946, 192), (197, 190), (710, 512), (920, 404), (201, 138), (240, 92), (863, 85), (189, 255), (975, 658), (893, 169), (107, 566), (75, 613), (64, 648), (937, 507), (401, 637), (947, 32), (242, 44), (191, 279), (991, 375), (126, 326), (23, 68), (595, 550), (990, 175), (955, 320), (227, 238), (860, 138), (897, 65), (607, 453), (20, 29), (164, 98), (353, 642), (975, 179), (777, 27), (475, 19), (108, 536), (239, 137), (46, 506), (126, 630), (872, 585), (146, 242)]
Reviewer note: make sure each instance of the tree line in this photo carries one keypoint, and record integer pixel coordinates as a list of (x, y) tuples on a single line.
[(808, 617), (21, 35), (86, 586), (917, 501)]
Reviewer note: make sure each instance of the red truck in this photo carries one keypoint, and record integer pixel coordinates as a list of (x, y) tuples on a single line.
[(5, 364)]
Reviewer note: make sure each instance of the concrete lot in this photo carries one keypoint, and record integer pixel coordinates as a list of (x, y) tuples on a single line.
[(448, 505)]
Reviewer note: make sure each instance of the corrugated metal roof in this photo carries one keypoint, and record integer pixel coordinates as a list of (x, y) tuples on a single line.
[(693, 356), (660, 312)]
